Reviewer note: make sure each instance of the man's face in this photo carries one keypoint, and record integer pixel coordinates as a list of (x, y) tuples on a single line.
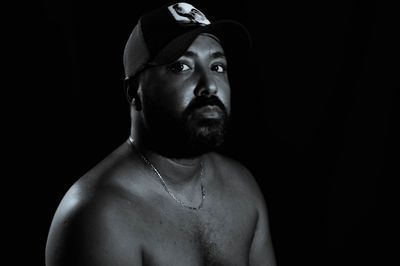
[(187, 103)]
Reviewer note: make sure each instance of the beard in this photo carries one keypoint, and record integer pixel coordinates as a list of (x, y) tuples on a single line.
[(205, 134), (192, 133)]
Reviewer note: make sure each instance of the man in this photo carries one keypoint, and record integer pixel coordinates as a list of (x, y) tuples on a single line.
[(164, 197)]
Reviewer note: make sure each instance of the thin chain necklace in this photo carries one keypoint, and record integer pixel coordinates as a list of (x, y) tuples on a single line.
[(164, 184)]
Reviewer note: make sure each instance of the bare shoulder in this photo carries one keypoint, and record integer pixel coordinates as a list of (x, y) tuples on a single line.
[(239, 179), (237, 176), (89, 226)]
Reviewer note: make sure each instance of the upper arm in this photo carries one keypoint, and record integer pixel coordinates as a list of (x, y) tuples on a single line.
[(91, 234), (261, 251)]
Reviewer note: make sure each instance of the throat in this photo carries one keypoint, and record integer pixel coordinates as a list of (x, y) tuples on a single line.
[(176, 177), (186, 162), (180, 173), (177, 171)]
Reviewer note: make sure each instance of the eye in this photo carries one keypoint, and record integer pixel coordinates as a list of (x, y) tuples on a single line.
[(218, 68), (178, 67)]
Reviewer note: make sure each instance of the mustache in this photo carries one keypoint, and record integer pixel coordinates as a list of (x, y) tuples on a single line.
[(202, 101)]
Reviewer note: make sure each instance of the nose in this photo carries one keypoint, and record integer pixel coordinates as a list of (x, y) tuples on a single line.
[(206, 85)]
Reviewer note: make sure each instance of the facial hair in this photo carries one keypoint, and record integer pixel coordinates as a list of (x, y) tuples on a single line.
[(190, 134), (205, 134)]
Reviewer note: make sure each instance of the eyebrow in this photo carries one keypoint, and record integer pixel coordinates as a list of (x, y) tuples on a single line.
[(214, 55), (218, 55)]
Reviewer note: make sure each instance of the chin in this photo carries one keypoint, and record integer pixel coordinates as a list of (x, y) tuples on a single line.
[(206, 135), (190, 136)]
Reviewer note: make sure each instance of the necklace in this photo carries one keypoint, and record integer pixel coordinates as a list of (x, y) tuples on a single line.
[(164, 184)]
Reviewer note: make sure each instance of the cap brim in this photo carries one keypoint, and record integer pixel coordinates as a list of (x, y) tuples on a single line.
[(234, 38)]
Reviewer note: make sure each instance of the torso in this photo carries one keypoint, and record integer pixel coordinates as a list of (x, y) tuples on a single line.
[(220, 233)]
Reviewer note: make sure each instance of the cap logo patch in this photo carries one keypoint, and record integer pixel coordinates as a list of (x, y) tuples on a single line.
[(188, 15)]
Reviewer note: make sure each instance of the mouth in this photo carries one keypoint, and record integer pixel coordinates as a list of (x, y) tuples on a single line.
[(209, 111)]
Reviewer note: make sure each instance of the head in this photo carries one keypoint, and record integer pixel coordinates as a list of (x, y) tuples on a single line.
[(180, 96), (183, 107)]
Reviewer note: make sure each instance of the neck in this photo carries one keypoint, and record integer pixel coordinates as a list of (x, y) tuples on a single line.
[(175, 171), (173, 146)]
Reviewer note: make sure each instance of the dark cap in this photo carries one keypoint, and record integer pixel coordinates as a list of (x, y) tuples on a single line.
[(163, 35)]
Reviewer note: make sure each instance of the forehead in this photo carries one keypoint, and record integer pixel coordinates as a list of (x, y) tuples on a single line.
[(205, 43)]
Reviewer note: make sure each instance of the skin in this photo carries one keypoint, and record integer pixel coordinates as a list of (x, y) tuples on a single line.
[(119, 214)]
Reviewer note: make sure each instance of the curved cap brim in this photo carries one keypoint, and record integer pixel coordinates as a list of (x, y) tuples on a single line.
[(234, 38)]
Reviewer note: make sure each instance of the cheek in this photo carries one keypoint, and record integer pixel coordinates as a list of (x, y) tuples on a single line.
[(167, 95), (224, 94)]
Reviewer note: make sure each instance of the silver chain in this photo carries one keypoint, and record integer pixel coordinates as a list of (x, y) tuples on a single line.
[(164, 184)]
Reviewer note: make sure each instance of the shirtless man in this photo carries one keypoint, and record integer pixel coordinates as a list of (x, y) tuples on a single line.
[(165, 197)]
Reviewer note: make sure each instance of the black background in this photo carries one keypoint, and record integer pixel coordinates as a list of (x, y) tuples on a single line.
[(313, 114)]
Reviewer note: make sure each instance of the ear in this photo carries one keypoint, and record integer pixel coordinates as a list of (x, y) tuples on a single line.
[(131, 85)]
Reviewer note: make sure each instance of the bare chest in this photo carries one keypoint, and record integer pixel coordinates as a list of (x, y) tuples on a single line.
[(218, 234)]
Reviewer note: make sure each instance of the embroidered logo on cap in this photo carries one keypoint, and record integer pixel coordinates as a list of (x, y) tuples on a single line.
[(186, 14)]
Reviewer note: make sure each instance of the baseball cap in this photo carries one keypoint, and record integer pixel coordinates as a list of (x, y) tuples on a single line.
[(164, 34)]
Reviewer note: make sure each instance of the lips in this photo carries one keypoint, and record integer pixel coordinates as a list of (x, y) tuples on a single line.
[(209, 111), (205, 108)]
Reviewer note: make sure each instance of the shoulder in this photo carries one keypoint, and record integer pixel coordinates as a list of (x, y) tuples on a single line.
[(224, 162), (90, 228), (90, 225), (243, 188), (240, 180), (237, 176)]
